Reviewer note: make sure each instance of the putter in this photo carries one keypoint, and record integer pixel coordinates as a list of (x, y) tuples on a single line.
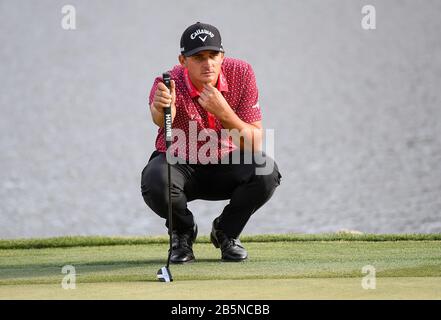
[(164, 274)]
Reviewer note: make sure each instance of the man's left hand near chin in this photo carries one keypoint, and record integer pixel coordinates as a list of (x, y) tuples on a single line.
[(213, 101)]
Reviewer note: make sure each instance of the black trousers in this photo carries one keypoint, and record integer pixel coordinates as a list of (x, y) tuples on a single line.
[(247, 189)]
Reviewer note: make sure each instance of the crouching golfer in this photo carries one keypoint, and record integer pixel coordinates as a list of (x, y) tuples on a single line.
[(209, 94)]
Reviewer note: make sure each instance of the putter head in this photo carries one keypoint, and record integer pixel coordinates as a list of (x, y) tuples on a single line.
[(164, 275)]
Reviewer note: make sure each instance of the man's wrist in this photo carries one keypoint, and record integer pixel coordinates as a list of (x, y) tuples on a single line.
[(226, 114), (156, 110)]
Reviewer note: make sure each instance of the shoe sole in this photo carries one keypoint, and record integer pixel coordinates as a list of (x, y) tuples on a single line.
[(182, 262), (238, 260)]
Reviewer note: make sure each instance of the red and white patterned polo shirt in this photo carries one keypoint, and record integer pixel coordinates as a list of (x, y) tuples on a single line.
[(237, 84)]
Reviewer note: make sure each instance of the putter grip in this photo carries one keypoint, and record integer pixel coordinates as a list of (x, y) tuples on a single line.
[(167, 114)]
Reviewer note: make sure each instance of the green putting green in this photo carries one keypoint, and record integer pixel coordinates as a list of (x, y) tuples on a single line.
[(280, 267)]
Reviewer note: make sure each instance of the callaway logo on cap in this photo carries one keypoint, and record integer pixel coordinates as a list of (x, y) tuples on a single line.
[(199, 37)]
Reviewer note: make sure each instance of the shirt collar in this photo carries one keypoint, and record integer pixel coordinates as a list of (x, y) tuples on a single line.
[(222, 84)]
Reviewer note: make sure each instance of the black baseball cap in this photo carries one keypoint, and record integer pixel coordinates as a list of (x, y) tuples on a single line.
[(199, 37)]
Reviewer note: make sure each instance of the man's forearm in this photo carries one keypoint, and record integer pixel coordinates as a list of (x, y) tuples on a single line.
[(245, 135), (158, 117)]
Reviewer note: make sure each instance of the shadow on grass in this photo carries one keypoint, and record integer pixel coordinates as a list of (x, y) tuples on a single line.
[(54, 269), (98, 271)]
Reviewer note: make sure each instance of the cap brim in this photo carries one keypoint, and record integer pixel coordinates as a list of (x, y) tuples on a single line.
[(209, 48)]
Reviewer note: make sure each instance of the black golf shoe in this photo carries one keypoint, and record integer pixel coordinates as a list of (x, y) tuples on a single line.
[(231, 248), (182, 245)]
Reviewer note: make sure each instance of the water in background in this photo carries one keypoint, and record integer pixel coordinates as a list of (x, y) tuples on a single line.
[(356, 113)]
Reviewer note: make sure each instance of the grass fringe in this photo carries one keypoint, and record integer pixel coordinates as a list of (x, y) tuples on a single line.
[(92, 241)]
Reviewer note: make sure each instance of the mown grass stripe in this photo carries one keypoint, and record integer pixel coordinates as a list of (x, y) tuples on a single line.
[(93, 241)]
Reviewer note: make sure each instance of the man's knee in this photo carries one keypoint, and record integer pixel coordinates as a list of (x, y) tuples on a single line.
[(268, 176), (154, 187)]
